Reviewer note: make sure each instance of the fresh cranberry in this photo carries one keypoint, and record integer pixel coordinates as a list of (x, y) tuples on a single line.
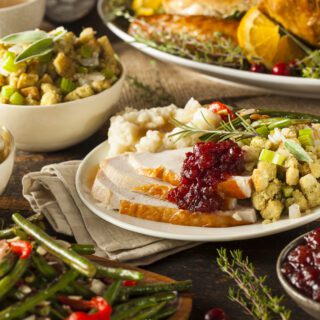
[(202, 171), (302, 266), (281, 69), (216, 314), (301, 256), (258, 68), (313, 239)]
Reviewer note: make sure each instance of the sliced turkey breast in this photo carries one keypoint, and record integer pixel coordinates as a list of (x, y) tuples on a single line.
[(120, 172), (139, 205), (110, 194)]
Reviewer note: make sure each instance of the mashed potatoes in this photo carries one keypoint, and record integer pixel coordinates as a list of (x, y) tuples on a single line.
[(150, 129)]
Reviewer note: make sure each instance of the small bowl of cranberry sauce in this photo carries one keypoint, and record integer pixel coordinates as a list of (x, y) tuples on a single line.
[(298, 269)]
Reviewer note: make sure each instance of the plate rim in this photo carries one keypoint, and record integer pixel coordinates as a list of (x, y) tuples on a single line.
[(265, 230)]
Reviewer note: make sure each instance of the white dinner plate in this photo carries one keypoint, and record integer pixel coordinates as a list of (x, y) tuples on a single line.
[(85, 176), (293, 86)]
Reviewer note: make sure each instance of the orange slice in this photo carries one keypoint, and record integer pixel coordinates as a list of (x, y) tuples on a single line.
[(258, 36), (146, 7)]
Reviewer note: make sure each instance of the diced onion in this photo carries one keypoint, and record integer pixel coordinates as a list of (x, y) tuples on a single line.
[(294, 211)]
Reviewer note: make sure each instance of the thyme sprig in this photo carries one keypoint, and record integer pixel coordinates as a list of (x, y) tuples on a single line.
[(253, 295), (237, 130)]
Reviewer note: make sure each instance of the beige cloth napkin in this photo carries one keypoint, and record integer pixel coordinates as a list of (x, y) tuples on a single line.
[(53, 192)]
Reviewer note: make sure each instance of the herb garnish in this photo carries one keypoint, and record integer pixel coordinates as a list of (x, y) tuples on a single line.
[(253, 295), (237, 129)]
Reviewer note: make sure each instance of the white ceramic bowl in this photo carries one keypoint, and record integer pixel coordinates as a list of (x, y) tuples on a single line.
[(8, 153), (20, 17), (56, 127)]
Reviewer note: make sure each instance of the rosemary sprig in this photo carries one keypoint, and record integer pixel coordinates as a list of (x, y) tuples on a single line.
[(237, 130), (252, 294)]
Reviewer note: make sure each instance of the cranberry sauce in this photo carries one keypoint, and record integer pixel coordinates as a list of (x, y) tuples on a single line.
[(302, 266), (202, 171)]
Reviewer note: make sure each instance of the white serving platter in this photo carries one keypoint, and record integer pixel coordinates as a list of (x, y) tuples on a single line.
[(84, 178), (292, 86)]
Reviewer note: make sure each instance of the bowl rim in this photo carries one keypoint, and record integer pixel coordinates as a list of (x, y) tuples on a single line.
[(19, 5), (284, 282), (69, 103), (12, 143)]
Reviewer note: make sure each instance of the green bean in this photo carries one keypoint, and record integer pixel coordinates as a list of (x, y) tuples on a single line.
[(112, 292), (58, 310), (55, 314), (70, 257), (7, 263), (10, 232), (273, 123), (129, 313), (8, 282), (118, 273), (164, 314), (83, 249), (289, 115), (43, 310), (156, 298), (81, 290), (43, 267), (20, 308), (158, 287), (150, 312)]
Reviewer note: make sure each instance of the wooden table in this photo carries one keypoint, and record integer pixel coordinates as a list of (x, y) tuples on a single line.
[(210, 285)]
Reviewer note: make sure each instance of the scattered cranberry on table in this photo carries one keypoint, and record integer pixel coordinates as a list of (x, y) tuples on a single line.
[(281, 69), (302, 266), (216, 314)]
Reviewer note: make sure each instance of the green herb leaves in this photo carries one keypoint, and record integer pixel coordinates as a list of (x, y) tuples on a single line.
[(36, 49), (36, 43), (237, 129), (24, 37), (296, 150)]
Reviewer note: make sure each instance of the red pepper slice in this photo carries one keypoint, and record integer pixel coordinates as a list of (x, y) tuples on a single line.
[(222, 110), (129, 283), (22, 248), (98, 303)]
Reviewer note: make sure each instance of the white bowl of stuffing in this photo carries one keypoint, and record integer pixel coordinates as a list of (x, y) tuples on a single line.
[(56, 89)]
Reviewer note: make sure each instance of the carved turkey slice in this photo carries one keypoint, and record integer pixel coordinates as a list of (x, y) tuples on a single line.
[(119, 186), (142, 206)]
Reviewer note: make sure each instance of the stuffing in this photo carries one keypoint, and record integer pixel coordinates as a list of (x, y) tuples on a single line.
[(79, 93), (273, 210), (64, 66), (311, 189)]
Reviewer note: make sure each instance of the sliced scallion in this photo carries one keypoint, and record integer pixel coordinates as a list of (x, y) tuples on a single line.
[(306, 137), (86, 52), (296, 150), (272, 157), (66, 85), (263, 131), (7, 91), (16, 99), (306, 141), (8, 63)]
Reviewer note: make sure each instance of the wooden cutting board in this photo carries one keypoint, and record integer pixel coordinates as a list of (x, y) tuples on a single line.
[(185, 300)]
